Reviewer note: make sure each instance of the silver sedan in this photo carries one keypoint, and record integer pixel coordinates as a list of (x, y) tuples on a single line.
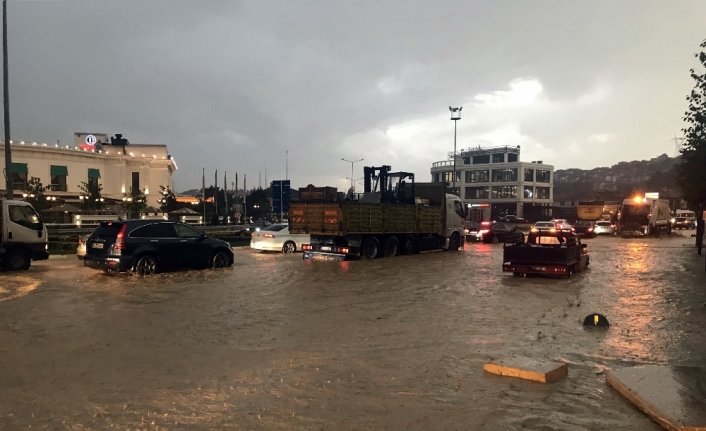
[(278, 238), (604, 228)]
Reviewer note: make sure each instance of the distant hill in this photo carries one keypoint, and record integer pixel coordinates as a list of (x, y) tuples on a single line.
[(617, 181)]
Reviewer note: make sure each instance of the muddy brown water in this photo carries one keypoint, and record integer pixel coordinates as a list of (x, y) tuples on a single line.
[(279, 343)]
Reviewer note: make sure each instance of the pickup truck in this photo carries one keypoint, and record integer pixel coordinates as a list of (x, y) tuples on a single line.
[(556, 252)]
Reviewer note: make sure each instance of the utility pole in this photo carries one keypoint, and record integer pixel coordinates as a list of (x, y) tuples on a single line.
[(245, 198), (286, 165), (352, 162), (9, 192)]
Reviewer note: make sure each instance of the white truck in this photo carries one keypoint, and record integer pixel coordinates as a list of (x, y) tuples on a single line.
[(644, 216), (24, 237)]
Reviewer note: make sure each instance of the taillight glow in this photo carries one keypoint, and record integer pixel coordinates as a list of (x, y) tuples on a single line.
[(120, 240), (80, 241), (307, 247), (482, 231), (343, 250), (268, 235), (534, 229)]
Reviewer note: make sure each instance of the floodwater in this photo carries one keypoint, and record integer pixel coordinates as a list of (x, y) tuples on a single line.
[(279, 343)]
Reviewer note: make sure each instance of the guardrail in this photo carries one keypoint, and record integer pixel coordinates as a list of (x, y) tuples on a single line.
[(70, 229)]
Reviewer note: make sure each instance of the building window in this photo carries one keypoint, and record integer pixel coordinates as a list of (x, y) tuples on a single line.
[(466, 160), (542, 192), (58, 178), (477, 192), (529, 192), (504, 192), (135, 181), (93, 176), (511, 157), (448, 176), (529, 175), (504, 175), (19, 176), (543, 176), (499, 158), (435, 178), (477, 176), (479, 160)]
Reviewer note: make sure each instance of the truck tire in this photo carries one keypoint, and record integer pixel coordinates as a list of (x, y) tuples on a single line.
[(410, 245), (17, 260), (371, 247), (392, 247), (454, 242)]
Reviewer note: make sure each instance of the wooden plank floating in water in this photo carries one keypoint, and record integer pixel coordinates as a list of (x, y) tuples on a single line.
[(674, 397), (528, 369)]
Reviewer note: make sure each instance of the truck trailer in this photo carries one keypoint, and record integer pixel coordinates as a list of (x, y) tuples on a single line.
[(644, 216), (393, 216), (23, 236)]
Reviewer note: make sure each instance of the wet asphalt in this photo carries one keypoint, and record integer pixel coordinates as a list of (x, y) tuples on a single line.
[(276, 342)]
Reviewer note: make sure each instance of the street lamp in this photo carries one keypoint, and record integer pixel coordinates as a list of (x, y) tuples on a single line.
[(455, 116), (352, 162)]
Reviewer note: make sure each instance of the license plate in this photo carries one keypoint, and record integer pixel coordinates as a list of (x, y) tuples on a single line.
[(97, 245), (325, 248)]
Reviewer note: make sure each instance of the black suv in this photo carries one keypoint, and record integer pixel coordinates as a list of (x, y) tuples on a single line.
[(148, 247)]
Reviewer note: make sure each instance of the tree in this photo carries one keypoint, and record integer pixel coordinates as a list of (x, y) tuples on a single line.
[(168, 201), (134, 202), (258, 204), (91, 195), (35, 194), (691, 172)]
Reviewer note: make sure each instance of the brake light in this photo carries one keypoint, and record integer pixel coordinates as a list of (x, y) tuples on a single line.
[(268, 235), (485, 223), (466, 230), (590, 229), (482, 231), (80, 241), (120, 240), (534, 229), (307, 247), (343, 250)]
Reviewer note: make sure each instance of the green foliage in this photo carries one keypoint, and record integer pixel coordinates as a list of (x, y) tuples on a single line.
[(91, 195), (167, 203), (35, 194), (258, 205), (134, 201), (691, 172)]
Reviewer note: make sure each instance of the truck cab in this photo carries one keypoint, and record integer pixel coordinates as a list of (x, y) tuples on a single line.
[(23, 235)]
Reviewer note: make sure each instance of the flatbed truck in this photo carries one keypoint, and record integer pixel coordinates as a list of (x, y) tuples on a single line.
[(555, 252), (393, 216)]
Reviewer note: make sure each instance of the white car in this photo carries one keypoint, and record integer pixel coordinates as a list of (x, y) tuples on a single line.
[(604, 228), (562, 223), (278, 238)]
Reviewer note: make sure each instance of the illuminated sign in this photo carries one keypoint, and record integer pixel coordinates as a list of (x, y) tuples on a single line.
[(89, 143), (478, 205)]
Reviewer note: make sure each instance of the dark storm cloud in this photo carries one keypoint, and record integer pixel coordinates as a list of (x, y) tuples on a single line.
[(233, 85)]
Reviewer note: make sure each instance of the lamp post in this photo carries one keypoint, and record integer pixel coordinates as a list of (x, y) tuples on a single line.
[(455, 116), (352, 162), (9, 192)]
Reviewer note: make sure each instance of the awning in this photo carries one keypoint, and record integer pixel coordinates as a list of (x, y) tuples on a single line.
[(19, 168), (59, 170), (94, 173)]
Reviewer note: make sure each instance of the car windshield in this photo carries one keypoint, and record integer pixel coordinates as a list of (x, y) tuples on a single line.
[(107, 230), (681, 218), (583, 223), (275, 228), (603, 223), (544, 224)]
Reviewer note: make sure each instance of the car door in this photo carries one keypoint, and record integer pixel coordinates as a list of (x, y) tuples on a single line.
[(160, 239), (194, 251), (500, 230)]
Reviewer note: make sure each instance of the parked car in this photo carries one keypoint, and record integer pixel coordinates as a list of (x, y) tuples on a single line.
[(471, 229), (604, 227), (498, 232), (562, 223), (150, 246), (81, 249), (512, 219), (545, 225), (585, 228), (278, 238), (257, 226), (683, 223)]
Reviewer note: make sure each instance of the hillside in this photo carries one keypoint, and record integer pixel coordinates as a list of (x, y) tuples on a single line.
[(617, 181)]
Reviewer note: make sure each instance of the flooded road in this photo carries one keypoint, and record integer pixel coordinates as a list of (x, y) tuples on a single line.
[(279, 343)]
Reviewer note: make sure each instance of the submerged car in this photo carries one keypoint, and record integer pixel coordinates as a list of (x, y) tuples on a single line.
[(278, 238), (497, 232), (604, 227), (149, 246), (683, 223), (585, 229)]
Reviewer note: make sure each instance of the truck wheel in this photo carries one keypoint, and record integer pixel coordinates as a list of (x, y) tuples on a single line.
[(371, 247), (410, 245), (17, 260), (392, 247), (454, 242)]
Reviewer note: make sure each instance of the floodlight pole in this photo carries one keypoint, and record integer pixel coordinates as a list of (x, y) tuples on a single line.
[(352, 162), (9, 191), (455, 116)]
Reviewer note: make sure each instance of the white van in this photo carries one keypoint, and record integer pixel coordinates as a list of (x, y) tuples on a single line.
[(23, 235)]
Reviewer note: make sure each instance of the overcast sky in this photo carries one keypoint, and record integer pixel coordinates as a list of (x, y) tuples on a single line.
[(233, 85)]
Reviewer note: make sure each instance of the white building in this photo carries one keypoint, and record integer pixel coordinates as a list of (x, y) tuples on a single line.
[(117, 168), (493, 182)]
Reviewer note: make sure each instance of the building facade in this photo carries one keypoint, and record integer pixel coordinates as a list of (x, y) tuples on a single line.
[(494, 182), (117, 168)]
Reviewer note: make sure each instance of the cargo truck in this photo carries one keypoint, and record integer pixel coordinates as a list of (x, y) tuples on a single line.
[(393, 216), (644, 216), (23, 236)]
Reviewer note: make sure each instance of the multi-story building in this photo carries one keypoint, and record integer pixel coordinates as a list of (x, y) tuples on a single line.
[(493, 182), (117, 168)]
